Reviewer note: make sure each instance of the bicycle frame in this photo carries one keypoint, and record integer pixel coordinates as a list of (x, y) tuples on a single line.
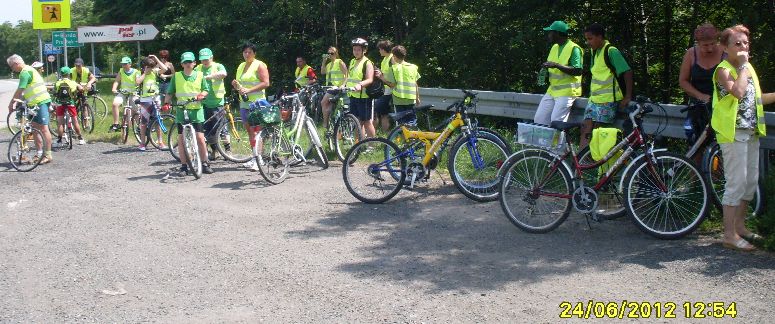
[(438, 138)]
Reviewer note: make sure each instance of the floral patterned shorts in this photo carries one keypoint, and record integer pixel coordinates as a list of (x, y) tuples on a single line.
[(601, 112)]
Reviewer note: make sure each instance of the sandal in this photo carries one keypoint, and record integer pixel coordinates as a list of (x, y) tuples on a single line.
[(753, 237), (739, 245)]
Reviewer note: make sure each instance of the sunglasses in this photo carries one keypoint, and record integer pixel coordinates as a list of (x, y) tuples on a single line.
[(740, 44), (187, 62)]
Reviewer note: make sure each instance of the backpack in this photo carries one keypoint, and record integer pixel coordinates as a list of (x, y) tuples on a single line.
[(619, 78), (63, 94), (377, 88)]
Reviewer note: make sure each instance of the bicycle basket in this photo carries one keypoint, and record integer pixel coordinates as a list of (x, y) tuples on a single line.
[(541, 136), (264, 115)]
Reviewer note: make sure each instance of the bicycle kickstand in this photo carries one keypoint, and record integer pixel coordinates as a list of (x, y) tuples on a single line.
[(443, 182), (594, 217)]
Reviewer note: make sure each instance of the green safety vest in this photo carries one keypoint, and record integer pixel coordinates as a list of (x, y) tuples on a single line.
[(301, 76), (356, 76), (334, 73), (384, 66), (724, 118), (217, 86), (128, 81), (248, 79), (602, 87), (406, 80), (150, 86), (36, 91), (562, 84), (82, 77), (185, 90)]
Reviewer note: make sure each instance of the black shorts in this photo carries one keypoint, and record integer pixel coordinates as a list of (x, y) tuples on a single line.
[(361, 108), (198, 127), (382, 105)]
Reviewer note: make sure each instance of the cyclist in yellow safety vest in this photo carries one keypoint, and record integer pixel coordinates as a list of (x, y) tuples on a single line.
[(148, 81), (403, 81), (382, 104), (738, 119), (251, 79), (304, 74), (125, 80), (214, 74), (605, 95), (185, 85), (65, 90), (360, 103), (32, 90), (336, 75), (564, 66), (82, 75)]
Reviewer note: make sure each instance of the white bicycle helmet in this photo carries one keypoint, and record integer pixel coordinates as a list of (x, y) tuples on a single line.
[(360, 41)]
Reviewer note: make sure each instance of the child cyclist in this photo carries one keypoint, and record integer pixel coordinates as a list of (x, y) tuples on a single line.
[(66, 90), (149, 94)]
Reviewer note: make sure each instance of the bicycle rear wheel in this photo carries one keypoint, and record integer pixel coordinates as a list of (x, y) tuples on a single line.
[(347, 132), (473, 164), (126, 128), (534, 197), (22, 150), (157, 133), (99, 106), (367, 170), (714, 170), (316, 145), (610, 203), (234, 142), (192, 152), (273, 154), (69, 130), (668, 199)]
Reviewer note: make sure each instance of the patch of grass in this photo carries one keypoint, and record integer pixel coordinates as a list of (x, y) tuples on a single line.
[(765, 224)]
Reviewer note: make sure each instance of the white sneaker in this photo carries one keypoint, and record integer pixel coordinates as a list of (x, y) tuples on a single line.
[(251, 165), (81, 142)]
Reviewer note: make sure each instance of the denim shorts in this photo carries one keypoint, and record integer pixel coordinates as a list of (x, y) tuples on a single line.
[(42, 117)]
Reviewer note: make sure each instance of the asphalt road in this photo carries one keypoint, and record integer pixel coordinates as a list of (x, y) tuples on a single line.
[(104, 235), (7, 88)]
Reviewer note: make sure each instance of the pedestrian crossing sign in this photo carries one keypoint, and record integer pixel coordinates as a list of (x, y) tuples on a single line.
[(50, 14)]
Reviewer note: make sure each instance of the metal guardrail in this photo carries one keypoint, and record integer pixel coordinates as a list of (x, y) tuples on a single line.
[(523, 106)]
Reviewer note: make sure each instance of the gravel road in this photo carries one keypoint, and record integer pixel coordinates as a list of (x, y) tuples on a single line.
[(100, 235)]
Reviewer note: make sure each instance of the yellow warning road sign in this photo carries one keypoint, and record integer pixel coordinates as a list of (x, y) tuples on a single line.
[(50, 14)]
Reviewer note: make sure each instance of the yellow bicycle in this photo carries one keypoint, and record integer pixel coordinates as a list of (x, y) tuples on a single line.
[(376, 169), (25, 144)]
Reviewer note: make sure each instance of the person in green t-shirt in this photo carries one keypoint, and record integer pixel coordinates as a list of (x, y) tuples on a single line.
[(563, 66), (32, 90), (214, 73), (65, 91)]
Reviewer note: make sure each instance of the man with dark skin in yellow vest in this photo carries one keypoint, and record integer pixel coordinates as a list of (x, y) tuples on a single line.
[(564, 66)]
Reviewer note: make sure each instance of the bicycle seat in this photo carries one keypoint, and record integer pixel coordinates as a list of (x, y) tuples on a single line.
[(423, 107), (401, 114), (565, 126)]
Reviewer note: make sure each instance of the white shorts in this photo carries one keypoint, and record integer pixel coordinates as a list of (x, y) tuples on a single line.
[(553, 109), (118, 100)]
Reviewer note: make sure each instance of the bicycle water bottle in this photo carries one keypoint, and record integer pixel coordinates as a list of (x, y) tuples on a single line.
[(542, 74)]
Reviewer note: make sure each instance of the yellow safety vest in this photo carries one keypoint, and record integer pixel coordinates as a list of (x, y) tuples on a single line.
[(384, 66), (36, 91), (82, 77), (248, 79), (185, 90), (128, 81), (301, 76), (562, 84), (334, 73), (150, 86), (406, 76), (724, 118), (216, 86), (602, 87), (356, 76)]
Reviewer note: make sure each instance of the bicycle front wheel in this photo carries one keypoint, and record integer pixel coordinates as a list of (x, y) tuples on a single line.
[(192, 152), (234, 142), (368, 169), (273, 153), (69, 130), (172, 141), (535, 191), (316, 145), (668, 197), (473, 164), (157, 132), (12, 123), (136, 129), (22, 150), (347, 132)]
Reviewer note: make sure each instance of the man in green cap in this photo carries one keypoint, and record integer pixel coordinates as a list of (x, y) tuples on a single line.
[(564, 66), (214, 73), (65, 91), (125, 81), (185, 85)]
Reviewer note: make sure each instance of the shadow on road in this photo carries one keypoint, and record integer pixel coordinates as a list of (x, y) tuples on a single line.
[(455, 244)]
